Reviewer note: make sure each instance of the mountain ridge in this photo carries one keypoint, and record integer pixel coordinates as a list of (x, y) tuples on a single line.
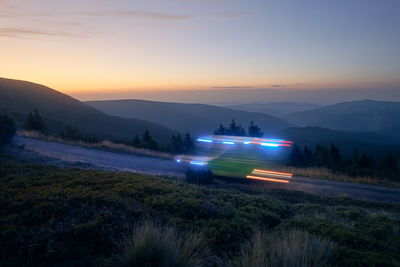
[(198, 119), (59, 110), (363, 115)]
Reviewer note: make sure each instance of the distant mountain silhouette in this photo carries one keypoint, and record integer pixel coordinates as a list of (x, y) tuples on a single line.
[(366, 115), (277, 109), (18, 98), (198, 119)]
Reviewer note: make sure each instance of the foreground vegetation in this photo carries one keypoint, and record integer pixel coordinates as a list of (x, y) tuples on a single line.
[(83, 217)]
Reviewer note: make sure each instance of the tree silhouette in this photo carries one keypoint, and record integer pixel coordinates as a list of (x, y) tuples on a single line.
[(389, 163), (336, 159), (7, 130), (308, 157), (177, 145), (221, 130), (188, 143), (295, 157), (136, 142), (34, 122), (235, 129), (254, 130), (366, 162), (148, 141), (72, 133), (322, 156)]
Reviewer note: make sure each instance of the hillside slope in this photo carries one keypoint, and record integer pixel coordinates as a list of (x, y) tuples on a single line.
[(366, 115), (198, 119), (18, 98)]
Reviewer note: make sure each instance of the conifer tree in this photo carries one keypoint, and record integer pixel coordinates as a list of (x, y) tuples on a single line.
[(254, 130), (34, 122)]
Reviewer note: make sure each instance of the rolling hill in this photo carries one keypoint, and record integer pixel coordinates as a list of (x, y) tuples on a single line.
[(277, 109), (18, 98), (198, 119), (366, 115)]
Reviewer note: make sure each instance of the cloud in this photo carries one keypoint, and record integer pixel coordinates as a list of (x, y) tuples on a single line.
[(139, 14), (232, 87), (276, 85), (28, 33)]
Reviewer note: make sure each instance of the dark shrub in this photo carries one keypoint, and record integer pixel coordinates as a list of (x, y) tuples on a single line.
[(199, 176), (74, 134), (35, 122), (7, 130)]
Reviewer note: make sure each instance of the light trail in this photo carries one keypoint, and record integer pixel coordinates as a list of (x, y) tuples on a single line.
[(200, 163), (228, 142), (205, 140), (270, 144), (266, 179), (275, 172)]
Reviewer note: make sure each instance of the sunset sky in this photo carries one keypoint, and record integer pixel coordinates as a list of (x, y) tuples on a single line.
[(104, 46)]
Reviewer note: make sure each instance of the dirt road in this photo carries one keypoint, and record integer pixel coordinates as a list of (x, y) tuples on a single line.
[(155, 166)]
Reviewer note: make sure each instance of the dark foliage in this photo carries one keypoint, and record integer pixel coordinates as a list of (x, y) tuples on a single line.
[(34, 122), (7, 130), (237, 130), (295, 157), (136, 142), (188, 143), (221, 130), (308, 157), (199, 176), (73, 134), (181, 145), (148, 141), (254, 130)]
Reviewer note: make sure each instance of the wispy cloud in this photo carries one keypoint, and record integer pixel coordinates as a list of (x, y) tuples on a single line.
[(232, 87), (139, 14), (26, 33), (16, 12)]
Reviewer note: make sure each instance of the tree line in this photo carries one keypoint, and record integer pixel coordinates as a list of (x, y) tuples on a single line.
[(358, 165), (178, 144), (237, 130), (7, 130)]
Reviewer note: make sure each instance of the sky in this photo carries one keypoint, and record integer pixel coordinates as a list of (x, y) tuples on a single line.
[(95, 49)]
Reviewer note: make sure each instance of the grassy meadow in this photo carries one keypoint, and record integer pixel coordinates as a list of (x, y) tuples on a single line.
[(70, 216)]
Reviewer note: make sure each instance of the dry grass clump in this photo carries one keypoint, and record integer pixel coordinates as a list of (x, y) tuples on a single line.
[(154, 245), (286, 249)]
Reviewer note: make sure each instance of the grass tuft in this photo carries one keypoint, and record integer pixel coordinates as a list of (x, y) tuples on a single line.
[(153, 245)]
